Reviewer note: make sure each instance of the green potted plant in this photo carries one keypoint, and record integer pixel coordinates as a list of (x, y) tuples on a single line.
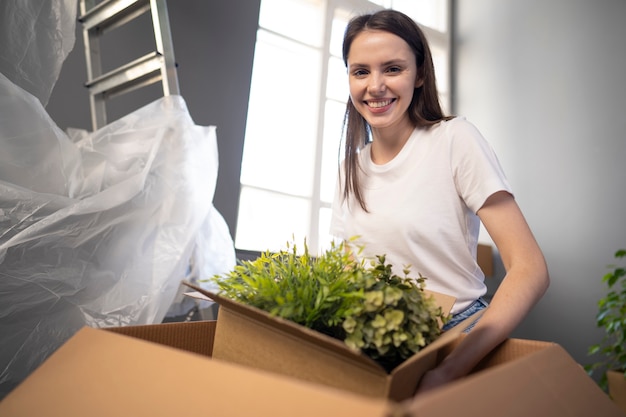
[(364, 304), (611, 317)]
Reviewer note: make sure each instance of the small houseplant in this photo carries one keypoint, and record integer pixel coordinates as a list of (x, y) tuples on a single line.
[(611, 317), (364, 304)]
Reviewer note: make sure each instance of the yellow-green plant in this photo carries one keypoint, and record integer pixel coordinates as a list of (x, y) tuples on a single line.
[(363, 303)]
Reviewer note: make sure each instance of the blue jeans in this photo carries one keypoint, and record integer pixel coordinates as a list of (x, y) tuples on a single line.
[(476, 306)]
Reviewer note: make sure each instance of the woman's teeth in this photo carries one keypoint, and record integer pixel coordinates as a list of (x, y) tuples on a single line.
[(377, 104)]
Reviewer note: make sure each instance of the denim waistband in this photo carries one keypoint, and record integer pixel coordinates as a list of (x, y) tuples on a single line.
[(478, 305)]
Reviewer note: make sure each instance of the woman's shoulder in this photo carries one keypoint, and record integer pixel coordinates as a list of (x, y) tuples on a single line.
[(458, 127), (457, 123)]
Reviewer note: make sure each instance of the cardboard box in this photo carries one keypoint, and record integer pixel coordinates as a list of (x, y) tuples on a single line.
[(252, 337), (484, 257), (113, 372)]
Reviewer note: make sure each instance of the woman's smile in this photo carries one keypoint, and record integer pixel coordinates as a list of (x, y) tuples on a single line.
[(378, 106), (382, 77)]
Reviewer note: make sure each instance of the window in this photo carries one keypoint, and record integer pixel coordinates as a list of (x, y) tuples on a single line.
[(295, 114)]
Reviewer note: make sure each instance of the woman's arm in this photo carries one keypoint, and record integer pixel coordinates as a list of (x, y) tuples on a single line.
[(525, 283)]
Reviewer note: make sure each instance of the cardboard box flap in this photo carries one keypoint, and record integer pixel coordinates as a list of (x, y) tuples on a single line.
[(547, 382), (511, 349), (193, 336), (617, 388), (100, 373), (291, 328), (508, 350)]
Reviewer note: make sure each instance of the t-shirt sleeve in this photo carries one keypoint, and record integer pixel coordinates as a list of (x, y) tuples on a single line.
[(476, 169)]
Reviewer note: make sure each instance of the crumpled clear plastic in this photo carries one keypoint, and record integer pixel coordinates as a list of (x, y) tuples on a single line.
[(35, 38), (101, 228)]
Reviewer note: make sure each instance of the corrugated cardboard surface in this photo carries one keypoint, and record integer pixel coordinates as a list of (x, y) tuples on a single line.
[(196, 336), (509, 350), (246, 341), (100, 373)]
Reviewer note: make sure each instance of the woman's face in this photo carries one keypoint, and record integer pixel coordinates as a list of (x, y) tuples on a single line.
[(382, 74)]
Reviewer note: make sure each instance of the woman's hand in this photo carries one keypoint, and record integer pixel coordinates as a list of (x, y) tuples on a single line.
[(434, 378)]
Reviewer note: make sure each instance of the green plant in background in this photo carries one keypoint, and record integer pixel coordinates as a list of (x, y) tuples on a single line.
[(611, 317), (386, 316)]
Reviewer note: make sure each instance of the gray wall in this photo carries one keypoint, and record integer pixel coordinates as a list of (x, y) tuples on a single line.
[(545, 81), (214, 48)]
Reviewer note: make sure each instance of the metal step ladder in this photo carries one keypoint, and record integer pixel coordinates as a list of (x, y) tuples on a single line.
[(99, 17)]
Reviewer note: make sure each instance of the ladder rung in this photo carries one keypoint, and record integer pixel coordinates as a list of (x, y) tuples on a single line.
[(129, 76), (113, 13)]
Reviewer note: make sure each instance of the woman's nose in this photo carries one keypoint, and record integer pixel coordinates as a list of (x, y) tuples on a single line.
[(376, 83)]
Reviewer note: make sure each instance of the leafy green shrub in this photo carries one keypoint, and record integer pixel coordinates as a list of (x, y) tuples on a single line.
[(387, 317), (611, 317)]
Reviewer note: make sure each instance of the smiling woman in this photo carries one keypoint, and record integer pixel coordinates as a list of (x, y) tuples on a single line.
[(416, 184), (298, 94)]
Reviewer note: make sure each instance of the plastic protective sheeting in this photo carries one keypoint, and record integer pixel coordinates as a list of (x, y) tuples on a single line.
[(35, 38), (101, 229)]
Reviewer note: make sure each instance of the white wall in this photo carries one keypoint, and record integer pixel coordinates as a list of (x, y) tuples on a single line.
[(545, 81)]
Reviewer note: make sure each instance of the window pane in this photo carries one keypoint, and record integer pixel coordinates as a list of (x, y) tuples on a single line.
[(332, 153), (324, 226), (340, 21), (302, 20), (440, 61), (384, 3), (432, 13), (282, 117), (337, 82), (267, 221)]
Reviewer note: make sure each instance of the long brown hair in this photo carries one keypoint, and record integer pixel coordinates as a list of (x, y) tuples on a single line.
[(424, 110)]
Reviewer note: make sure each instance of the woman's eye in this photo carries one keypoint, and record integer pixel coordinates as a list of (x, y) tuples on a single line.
[(394, 69), (359, 72)]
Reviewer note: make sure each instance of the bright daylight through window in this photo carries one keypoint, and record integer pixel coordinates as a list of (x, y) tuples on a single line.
[(295, 113)]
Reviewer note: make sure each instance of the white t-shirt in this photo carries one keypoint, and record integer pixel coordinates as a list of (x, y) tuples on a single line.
[(422, 207)]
